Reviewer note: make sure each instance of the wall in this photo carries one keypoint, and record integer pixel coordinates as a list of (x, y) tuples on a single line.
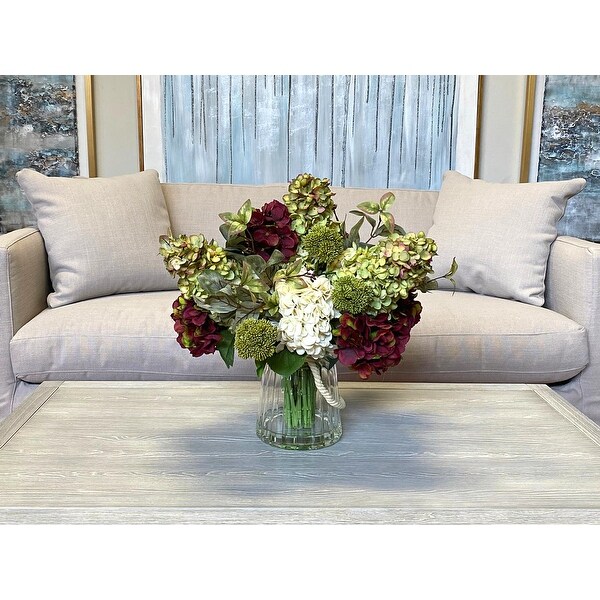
[(116, 129), (115, 105), (501, 133)]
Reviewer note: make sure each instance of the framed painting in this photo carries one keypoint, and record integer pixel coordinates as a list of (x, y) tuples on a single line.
[(563, 122), (46, 124), (357, 130)]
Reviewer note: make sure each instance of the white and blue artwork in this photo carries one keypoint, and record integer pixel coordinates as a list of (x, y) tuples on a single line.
[(358, 130), (570, 147)]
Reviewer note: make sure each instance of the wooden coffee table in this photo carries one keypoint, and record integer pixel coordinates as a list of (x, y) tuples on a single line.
[(166, 452)]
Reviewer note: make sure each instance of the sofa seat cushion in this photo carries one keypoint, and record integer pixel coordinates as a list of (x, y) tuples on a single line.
[(120, 337), (467, 337), (461, 337)]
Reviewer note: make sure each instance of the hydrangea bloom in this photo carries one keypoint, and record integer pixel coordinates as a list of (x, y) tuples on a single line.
[(196, 331), (372, 344), (394, 267), (310, 201), (186, 257), (306, 311), (269, 228)]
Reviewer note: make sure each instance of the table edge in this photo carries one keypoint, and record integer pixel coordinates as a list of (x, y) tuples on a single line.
[(568, 411), (11, 425), (288, 515)]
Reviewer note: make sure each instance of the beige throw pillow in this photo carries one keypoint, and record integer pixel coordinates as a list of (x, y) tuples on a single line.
[(500, 234), (101, 234)]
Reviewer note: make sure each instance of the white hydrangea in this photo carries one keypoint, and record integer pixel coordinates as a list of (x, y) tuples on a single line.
[(306, 313)]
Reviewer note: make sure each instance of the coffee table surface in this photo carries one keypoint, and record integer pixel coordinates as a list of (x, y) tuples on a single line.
[(174, 452)]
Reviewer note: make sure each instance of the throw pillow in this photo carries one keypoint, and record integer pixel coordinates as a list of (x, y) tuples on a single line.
[(500, 234), (101, 234)]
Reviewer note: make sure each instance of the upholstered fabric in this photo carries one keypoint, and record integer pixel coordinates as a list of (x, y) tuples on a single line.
[(23, 288), (461, 337), (101, 234), (467, 337), (123, 337), (573, 284), (500, 234), (195, 208)]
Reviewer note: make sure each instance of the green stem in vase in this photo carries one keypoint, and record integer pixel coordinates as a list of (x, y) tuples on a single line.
[(299, 394), (287, 402)]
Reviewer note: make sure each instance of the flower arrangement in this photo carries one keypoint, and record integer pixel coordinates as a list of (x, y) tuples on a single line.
[(294, 286)]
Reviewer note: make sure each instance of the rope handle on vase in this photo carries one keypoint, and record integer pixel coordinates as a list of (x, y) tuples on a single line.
[(316, 371)]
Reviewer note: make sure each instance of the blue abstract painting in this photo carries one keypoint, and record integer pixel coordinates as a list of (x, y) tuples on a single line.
[(38, 129), (570, 147)]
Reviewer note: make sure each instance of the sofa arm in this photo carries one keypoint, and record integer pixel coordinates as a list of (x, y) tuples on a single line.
[(24, 286), (573, 289), (24, 278)]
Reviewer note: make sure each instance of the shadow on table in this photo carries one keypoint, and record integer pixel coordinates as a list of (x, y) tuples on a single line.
[(380, 450)]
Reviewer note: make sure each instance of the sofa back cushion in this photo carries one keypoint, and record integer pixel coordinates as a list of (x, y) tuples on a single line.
[(195, 207), (500, 234), (101, 234)]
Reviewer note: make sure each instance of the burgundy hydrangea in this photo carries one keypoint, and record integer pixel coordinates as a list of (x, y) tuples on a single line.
[(269, 229), (370, 344), (196, 331)]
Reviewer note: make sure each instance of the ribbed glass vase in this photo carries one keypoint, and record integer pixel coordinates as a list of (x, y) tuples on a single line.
[(293, 414)]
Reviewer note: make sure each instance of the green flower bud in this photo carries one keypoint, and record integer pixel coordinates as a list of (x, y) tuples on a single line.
[(352, 295), (256, 338), (323, 244)]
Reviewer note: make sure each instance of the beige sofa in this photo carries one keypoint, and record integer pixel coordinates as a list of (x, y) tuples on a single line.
[(462, 336)]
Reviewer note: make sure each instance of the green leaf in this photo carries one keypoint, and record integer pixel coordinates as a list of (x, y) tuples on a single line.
[(257, 263), (429, 285), (330, 361), (388, 221), (369, 219), (379, 231), (260, 367), (245, 212), (399, 229), (236, 228), (210, 281), (354, 235), (276, 258), (453, 268), (228, 216), (218, 306), (371, 208), (285, 363), (224, 229), (387, 200), (226, 348)]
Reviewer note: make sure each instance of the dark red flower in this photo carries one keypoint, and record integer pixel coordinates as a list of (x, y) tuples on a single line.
[(270, 229), (370, 344), (196, 330)]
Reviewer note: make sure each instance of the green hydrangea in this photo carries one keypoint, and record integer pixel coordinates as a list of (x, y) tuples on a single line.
[(310, 201), (255, 338), (351, 294), (186, 257), (323, 244), (394, 267)]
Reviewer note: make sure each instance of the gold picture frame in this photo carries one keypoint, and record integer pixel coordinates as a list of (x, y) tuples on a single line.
[(528, 123)]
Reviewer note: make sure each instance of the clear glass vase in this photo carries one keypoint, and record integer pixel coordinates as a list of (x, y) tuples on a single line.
[(294, 415)]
